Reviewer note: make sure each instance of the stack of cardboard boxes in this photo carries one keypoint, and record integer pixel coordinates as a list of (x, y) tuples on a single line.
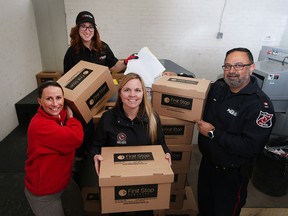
[(179, 101), (178, 135)]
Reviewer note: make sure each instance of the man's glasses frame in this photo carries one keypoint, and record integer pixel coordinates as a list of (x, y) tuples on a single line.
[(237, 67)]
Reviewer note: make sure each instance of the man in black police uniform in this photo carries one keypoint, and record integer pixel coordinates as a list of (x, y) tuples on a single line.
[(236, 125)]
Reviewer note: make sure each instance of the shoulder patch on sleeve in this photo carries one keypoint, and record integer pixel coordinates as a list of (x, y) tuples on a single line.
[(264, 119)]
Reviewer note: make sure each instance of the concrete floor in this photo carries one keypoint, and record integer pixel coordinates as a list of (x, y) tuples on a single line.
[(255, 199), (13, 201)]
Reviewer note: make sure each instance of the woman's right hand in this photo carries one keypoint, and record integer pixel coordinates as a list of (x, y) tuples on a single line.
[(97, 159)]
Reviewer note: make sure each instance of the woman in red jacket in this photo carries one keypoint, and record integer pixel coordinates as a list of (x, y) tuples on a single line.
[(53, 135)]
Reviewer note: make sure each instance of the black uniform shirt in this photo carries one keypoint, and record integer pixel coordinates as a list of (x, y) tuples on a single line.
[(106, 57), (243, 123)]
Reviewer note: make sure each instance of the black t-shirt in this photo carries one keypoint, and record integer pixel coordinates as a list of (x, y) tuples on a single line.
[(106, 57)]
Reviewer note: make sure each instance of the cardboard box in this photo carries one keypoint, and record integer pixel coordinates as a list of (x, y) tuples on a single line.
[(190, 201), (87, 88), (180, 178), (118, 76), (177, 198), (47, 75), (177, 131), (181, 156), (134, 178), (91, 198), (97, 116), (190, 207), (180, 97)]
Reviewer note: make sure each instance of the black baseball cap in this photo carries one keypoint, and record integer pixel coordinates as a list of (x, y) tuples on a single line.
[(85, 16)]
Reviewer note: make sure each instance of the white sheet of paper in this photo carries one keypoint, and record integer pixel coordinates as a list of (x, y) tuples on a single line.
[(147, 66)]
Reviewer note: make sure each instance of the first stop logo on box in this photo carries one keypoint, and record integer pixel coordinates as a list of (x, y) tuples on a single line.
[(126, 157), (136, 192), (178, 102)]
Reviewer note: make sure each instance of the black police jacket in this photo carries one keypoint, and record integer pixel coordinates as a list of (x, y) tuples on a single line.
[(243, 123)]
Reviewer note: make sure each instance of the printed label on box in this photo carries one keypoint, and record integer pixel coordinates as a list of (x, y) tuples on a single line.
[(193, 82), (97, 95), (139, 156), (136, 192), (175, 101), (173, 129), (78, 79)]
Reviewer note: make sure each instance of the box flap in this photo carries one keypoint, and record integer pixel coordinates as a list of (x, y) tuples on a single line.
[(184, 86), (82, 76), (134, 165), (165, 120)]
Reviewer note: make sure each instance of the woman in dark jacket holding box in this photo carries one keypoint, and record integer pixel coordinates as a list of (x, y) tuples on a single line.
[(131, 122)]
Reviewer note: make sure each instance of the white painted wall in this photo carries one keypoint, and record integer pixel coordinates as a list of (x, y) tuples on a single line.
[(19, 58), (51, 27), (33, 39), (184, 31)]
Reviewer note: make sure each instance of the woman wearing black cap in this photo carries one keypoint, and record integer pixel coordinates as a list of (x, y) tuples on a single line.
[(85, 44)]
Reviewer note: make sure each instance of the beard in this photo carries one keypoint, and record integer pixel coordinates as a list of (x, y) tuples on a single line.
[(236, 81)]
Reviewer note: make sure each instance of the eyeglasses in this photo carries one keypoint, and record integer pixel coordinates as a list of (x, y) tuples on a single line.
[(237, 67), (84, 28)]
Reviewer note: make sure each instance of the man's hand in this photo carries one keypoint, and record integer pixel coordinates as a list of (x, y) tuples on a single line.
[(204, 127), (169, 73)]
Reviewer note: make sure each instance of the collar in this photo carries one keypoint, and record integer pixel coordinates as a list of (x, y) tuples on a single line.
[(119, 112), (60, 120), (251, 88)]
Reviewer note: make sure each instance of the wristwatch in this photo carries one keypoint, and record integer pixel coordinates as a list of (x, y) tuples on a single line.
[(211, 134)]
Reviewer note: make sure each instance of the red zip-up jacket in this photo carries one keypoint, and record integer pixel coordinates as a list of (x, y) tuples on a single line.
[(52, 143)]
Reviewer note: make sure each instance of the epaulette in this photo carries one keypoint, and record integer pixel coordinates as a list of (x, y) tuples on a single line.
[(263, 98)]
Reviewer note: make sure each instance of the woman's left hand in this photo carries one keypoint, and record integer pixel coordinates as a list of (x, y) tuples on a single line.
[(168, 157), (97, 160), (69, 112)]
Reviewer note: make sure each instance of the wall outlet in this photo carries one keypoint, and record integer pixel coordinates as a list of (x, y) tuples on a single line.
[(219, 35)]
